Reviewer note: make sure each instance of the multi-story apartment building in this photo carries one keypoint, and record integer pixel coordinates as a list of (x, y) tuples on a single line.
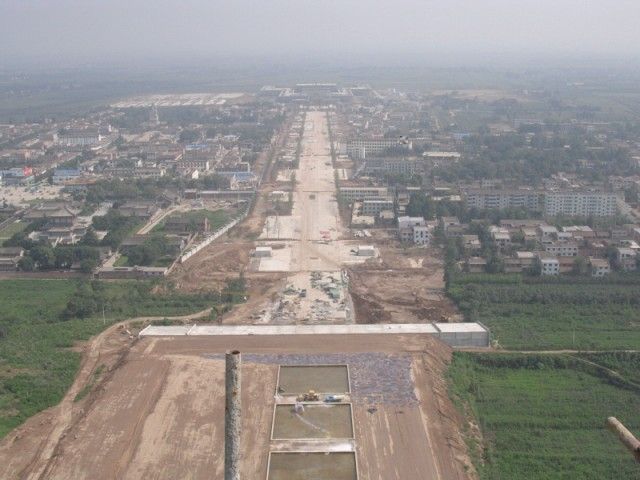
[(62, 175), (491, 199), (135, 172), (351, 194), (562, 249), (361, 148), (580, 203), (414, 229), (405, 166), (197, 157), (79, 138), (570, 203), (421, 235), (376, 205)]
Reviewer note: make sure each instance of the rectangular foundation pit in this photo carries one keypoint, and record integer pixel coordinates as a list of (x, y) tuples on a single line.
[(316, 421), (327, 379), (312, 466)]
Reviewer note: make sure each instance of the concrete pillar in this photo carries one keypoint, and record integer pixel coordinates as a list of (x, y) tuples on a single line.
[(232, 416), (626, 437)]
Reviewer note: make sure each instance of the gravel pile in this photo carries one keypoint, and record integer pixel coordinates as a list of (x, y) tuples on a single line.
[(376, 378)]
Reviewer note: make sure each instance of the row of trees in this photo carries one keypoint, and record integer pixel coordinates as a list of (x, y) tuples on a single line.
[(153, 249), (44, 257)]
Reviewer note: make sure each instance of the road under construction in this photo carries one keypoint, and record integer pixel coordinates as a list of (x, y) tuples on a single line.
[(159, 411)]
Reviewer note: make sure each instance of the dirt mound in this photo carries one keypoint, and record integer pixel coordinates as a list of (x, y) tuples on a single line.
[(368, 311), (434, 363)]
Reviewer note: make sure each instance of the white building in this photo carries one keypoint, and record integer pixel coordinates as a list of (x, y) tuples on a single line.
[(492, 199), (549, 266), (351, 194), (366, 251), (580, 204), (440, 157), (78, 138), (361, 148), (406, 166)]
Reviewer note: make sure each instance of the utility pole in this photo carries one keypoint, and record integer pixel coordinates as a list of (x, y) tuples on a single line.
[(232, 415)]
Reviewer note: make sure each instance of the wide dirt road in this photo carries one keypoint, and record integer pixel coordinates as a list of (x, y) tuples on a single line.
[(159, 414), (315, 205)]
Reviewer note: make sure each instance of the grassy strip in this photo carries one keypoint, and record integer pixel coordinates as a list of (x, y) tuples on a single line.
[(542, 417), (217, 219)]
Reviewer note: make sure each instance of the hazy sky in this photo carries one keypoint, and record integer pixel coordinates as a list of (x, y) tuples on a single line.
[(72, 31)]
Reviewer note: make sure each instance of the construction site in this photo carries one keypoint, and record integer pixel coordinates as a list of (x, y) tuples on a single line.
[(344, 348)]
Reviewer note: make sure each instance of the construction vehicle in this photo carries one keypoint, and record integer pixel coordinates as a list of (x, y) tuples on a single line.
[(334, 398), (310, 396)]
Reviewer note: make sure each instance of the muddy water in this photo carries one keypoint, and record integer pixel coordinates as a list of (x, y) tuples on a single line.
[(321, 379), (316, 421), (312, 466)]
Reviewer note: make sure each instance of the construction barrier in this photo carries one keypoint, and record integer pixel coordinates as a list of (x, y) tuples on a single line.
[(215, 235)]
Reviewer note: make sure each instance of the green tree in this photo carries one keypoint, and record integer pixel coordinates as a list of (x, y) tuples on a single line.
[(26, 264), (63, 257), (189, 136), (43, 256), (90, 238), (87, 265), (580, 266)]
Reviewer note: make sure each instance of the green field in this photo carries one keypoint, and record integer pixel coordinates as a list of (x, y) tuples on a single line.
[(217, 218), (122, 261), (542, 418), (41, 319), (548, 314)]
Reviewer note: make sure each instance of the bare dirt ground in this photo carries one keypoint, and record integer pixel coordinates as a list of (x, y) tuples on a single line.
[(403, 286), (208, 269), (159, 413)]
